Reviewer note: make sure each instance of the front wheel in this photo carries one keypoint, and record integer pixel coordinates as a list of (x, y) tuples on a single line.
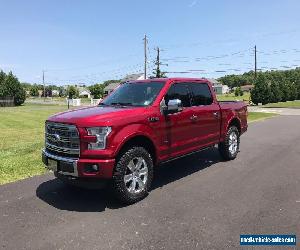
[(133, 175), (229, 148)]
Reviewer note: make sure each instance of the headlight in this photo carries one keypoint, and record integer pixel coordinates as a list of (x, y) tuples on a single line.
[(101, 134)]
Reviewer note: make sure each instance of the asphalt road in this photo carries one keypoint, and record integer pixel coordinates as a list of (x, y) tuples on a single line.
[(198, 202)]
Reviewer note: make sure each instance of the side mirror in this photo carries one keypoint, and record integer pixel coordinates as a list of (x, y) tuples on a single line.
[(174, 106)]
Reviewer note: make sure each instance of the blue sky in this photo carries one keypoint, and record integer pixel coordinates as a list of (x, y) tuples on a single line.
[(91, 41)]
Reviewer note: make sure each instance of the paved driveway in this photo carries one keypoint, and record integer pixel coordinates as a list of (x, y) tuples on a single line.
[(198, 202)]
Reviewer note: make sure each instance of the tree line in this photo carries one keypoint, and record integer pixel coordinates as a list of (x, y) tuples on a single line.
[(270, 86), (97, 90), (11, 87)]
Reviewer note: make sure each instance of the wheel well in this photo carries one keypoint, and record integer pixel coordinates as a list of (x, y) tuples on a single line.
[(141, 141), (235, 122)]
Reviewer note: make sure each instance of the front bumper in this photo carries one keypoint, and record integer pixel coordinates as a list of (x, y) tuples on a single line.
[(76, 167)]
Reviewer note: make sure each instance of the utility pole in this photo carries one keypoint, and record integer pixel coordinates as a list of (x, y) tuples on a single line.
[(44, 85), (145, 56), (255, 62), (157, 63)]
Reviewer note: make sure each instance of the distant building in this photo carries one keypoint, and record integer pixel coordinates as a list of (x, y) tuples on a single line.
[(218, 87), (133, 77), (55, 92), (84, 93), (247, 88)]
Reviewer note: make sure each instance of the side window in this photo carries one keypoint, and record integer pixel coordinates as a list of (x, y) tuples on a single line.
[(181, 92), (201, 94)]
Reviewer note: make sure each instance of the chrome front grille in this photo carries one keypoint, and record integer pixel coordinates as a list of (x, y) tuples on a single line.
[(62, 139)]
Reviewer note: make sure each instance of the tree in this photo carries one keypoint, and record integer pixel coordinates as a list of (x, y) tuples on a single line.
[(285, 91), (34, 90), (73, 92), (48, 91), (11, 87), (275, 92), (157, 72), (261, 91), (97, 90), (293, 91), (298, 90), (2, 84), (62, 91)]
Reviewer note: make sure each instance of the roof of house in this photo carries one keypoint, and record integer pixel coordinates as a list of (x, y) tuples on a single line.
[(112, 86), (213, 81), (84, 91), (247, 87), (131, 77)]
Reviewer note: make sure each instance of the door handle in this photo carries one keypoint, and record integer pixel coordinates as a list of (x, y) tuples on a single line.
[(193, 117), (216, 114)]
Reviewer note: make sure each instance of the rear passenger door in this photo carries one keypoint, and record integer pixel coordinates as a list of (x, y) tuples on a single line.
[(207, 114)]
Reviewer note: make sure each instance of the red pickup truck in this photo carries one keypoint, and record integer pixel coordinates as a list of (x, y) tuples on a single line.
[(141, 124)]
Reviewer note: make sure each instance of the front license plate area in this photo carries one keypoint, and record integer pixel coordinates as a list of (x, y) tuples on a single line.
[(52, 165)]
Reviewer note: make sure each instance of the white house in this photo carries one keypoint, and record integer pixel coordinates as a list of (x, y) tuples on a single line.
[(219, 88), (55, 92), (84, 93)]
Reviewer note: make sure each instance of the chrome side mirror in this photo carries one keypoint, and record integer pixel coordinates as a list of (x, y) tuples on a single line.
[(174, 106)]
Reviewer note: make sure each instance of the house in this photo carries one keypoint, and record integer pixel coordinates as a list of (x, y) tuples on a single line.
[(133, 77), (218, 87), (55, 92), (85, 93), (247, 88)]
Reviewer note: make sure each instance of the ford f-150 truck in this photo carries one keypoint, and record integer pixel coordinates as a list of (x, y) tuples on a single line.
[(141, 124)]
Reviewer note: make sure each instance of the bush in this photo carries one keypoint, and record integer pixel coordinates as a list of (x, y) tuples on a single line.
[(20, 96), (275, 92), (238, 91), (261, 91), (11, 87)]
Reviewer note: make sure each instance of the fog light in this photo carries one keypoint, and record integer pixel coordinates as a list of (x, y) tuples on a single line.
[(91, 168)]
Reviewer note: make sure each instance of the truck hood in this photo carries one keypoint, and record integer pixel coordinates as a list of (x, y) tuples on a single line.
[(95, 116)]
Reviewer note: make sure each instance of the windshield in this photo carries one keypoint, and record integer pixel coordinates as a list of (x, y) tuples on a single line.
[(134, 94)]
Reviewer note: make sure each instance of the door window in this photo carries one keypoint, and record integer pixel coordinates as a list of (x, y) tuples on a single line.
[(201, 94), (179, 91)]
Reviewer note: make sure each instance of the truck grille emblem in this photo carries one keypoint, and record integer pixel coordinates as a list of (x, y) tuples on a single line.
[(56, 137)]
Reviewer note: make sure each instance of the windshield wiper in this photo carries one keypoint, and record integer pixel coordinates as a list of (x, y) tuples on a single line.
[(121, 103)]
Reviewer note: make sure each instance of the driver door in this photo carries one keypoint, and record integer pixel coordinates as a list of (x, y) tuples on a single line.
[(180, 126)]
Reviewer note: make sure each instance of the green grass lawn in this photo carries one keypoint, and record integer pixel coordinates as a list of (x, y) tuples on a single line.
[(255, 116), (22, 138), (232, 97), (289, 104)]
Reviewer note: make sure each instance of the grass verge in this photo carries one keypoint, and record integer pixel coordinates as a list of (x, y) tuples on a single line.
[(256, 116), (289, 104)]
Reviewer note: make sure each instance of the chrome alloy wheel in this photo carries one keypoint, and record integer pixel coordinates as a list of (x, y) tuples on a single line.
[(233, 142), (136, 175)]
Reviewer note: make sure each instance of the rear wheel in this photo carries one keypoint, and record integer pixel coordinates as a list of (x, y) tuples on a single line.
[(229, 148), (133, 175)]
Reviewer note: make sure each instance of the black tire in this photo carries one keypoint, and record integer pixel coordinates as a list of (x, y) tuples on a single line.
[(119, 187), (224, 147)]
